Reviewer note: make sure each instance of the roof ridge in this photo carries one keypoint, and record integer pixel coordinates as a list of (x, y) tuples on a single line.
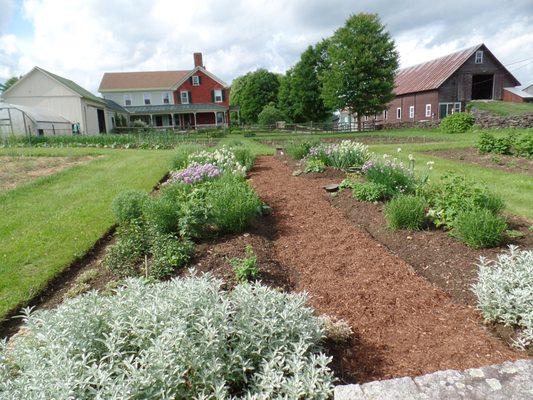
[(155, 71), (472, 49)]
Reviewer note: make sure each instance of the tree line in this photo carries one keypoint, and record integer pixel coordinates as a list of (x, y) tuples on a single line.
[(354, 70)]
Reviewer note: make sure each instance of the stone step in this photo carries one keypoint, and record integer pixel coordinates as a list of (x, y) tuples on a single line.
[(507, 381)]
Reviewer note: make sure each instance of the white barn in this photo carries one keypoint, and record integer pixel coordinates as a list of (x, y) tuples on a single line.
[(47, 91)]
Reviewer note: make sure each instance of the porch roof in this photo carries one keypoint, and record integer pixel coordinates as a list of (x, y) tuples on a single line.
[(176, 108)]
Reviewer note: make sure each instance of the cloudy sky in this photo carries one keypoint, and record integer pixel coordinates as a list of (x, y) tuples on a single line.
[(80, 39)]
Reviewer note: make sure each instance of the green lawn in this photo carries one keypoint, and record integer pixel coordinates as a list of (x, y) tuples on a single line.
[(503, 107), (52, 221)]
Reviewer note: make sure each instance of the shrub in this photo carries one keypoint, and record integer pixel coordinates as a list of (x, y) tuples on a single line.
[(314, 165), (299, 149), (128, 205), (369, 191), (232, 202), (503, 291), (169, 253), (524, 145), (336, 330), (180, 339), (270, 115), (458, 122), (341, 155), (503, 145), (479, 228), (453, 194), (485, 143), (162, 214), (123, 258), (392, 175), (245, 268), (244, 157), (405, 212)]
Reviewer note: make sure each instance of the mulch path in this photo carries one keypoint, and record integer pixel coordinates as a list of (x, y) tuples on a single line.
[(403, 324), (495, 161)]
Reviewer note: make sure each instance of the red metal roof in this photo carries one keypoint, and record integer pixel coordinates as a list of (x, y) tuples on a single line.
[(432, 74)]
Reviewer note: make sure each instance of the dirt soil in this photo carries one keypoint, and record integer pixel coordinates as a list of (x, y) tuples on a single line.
[(403, 324), (495, 161), (17, 170)]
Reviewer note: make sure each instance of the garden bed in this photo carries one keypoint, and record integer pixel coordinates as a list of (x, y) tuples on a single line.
[(403, 324), (497, 161)]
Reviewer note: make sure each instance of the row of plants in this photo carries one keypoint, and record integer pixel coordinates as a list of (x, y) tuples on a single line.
[(511, 144), (180, 338), (209, 195), (467, 210)]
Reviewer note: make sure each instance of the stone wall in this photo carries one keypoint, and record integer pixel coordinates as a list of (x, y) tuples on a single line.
[(412, 124), (485, 119)]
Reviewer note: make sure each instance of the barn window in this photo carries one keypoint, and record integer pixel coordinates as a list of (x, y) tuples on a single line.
[(385, 114), (218, 96), (127, 100), (399, 113), (428, 110), (166, 98), (147, 100), (411, 111), (184, 97), (196, 80), (479, 57)]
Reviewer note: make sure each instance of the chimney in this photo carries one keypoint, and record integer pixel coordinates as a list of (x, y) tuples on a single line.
[(198, 62)]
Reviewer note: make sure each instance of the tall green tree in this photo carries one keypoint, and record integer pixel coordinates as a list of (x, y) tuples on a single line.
[(253, 91), (362, 62), (7, 84)]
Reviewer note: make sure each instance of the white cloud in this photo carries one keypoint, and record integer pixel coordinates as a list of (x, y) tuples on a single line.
[(83, 39)]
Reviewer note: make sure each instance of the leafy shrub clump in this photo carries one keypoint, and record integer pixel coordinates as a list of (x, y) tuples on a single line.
[(314, 165), (180, 339), (405, 212), (479, 228), (169, 253), (391, 174), (504, 294), (123, 257), (454, 194), (458, 122), (244, 156), (510, 144), (246, 268), (341, 155), (369, 191), (128, 205), (232, 203), (269, 115), (299, 149), (523, 145)]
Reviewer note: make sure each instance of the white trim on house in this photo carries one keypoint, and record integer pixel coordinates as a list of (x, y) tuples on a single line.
[(166, 96), (147, 97), (411, 111), (195, 70), (186, 97), (399, 113), (428, 110), (127, 97), (195, 80), (218, 95), (479, 57)]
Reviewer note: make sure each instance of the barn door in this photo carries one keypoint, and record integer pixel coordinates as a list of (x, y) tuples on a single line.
[(101, 120)]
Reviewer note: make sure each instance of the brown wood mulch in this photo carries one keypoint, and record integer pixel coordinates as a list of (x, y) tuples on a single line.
[(403, 324)]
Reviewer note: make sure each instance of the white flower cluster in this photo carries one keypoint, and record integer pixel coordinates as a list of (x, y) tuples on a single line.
[(505, 292), (223, 158), (180, 339)]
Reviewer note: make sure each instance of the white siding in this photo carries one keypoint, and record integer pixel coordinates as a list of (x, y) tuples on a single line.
[(137, 98)]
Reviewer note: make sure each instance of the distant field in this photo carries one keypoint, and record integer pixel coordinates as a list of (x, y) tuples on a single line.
[(48, 223), (503, 107)]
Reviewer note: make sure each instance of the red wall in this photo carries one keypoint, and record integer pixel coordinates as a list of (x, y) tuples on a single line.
[(419, 100), (508, 96), (202, 93)]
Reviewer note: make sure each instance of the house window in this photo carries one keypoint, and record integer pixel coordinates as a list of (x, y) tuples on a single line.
[(127, 100), (166, 98), (456, 107), (411, 111), (428, 110), (184, 97), (220, 118), (147, 100), (399, 113), (385, 114), (196, 80), (218, 95), (479, 57)]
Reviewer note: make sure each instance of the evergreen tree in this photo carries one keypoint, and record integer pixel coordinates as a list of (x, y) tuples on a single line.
[(253, 91), (7, 84), (362, 62)]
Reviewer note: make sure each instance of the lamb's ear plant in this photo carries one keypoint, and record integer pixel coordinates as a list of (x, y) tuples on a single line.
[(180, 339), (504, 292)]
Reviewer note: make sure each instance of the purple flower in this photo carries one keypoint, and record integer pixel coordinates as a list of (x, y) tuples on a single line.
[(195, 173)]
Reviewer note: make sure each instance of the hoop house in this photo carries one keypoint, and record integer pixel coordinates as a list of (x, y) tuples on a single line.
[(31, 121)]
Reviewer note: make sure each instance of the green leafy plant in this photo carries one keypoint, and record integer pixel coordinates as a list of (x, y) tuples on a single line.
[(392, 175), (458, 122), (298, 149), (503, 291), (244, 157), (485, 143), (123, 257), (524, 145), (128, 205), (369, 191), (343, 155), (405, 212), (479, 228), (269, 115), (181, 339), (245, 268), (169, 253), (314, 165)]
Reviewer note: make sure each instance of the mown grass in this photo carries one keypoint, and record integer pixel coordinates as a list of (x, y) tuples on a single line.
[(50, 222), (503, 107)]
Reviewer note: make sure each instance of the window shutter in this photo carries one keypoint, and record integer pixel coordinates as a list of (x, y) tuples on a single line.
[(199, 80), (190, 80), (212, 96), (190, 97), (223, 95)]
